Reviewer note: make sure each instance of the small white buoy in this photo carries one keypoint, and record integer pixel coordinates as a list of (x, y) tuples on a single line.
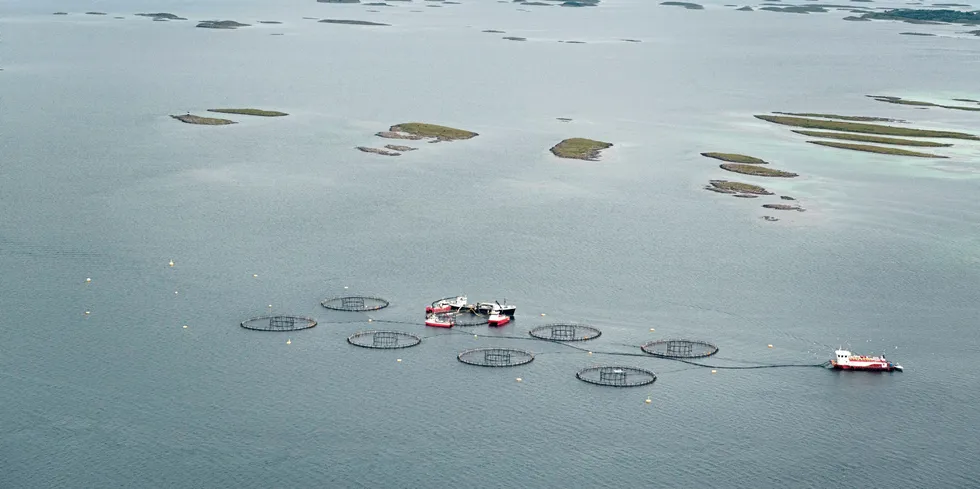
[(171, 263), (590, 353), (651, 329), (88, 280), (255, 275), (289, 342), (175, 292), (475, 336), (648, 401), (87, 313), (399, 360), (370, 320), (770, 346), (519, 379), (185, 326), (714, 371), (345, 286), (543, 314)]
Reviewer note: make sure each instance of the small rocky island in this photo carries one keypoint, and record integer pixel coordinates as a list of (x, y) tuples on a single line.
[(580, 148), (255, 112), (433, 131), (162, 16), (869, 148), (760, 171), (687, 5), (352, 22), (221, 24), (378, 151), (877, 129), (728, 187), (926, 16), (736, 158), (204, 121)]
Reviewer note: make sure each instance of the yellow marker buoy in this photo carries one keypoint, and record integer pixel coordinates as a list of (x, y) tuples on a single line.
[(171, 263), (648, 401), (88, 280), (714, 371), (770, 346), (289, 342), (519, 379), (398, 360), (185, 326)]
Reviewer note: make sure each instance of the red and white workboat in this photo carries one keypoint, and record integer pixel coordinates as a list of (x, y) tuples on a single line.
[(844, 360), (498, 318), (440, 320)]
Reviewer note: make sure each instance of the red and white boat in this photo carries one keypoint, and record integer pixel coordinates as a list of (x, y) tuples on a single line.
[(442, 320), (498, 318), (447, 305), (845, 360)]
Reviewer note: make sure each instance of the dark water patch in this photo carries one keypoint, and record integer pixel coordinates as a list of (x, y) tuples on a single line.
[(269, 22), (687, 5), (573, 42), (60, 13), (745, 9), (916, 34), (579, 3), (514, 38), (352, 22), (492, 31), (338, 1), (378, 4), (631, 40)]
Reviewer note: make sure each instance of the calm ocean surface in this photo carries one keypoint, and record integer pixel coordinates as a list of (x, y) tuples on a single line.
[(96, 181)]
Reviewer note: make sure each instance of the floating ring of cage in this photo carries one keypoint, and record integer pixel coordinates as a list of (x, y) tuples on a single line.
[(616, 376), (565, 332), (495, 357), (385, 340), (278, 323), (673, 348), (355, 303)]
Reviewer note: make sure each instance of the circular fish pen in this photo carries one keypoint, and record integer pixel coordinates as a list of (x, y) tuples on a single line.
[(671, 348), (469, 319), (616, 376), (383, 340), (495, 357), (565, 332), (278, 323), (355, 303)]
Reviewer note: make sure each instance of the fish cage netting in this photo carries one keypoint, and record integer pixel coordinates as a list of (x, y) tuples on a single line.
[(469, 319), (495, 357), (384, 340), (565, 332), (679, 348), (355, 303), (278, 323), (616, 376)]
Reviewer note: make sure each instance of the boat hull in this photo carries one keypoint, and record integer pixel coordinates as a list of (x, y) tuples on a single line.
[(868, 368), (499, 322), (437, 324)]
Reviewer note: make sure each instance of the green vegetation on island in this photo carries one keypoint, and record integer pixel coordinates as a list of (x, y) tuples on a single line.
[(728, 187), (396, 147), (926, 16), (872, 139), (440, 133), (756, 170), (579, 148), (855, 118), (736, 158), (863, 128), (687, 5), (867, 148), (255, 112), (204, 121)]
